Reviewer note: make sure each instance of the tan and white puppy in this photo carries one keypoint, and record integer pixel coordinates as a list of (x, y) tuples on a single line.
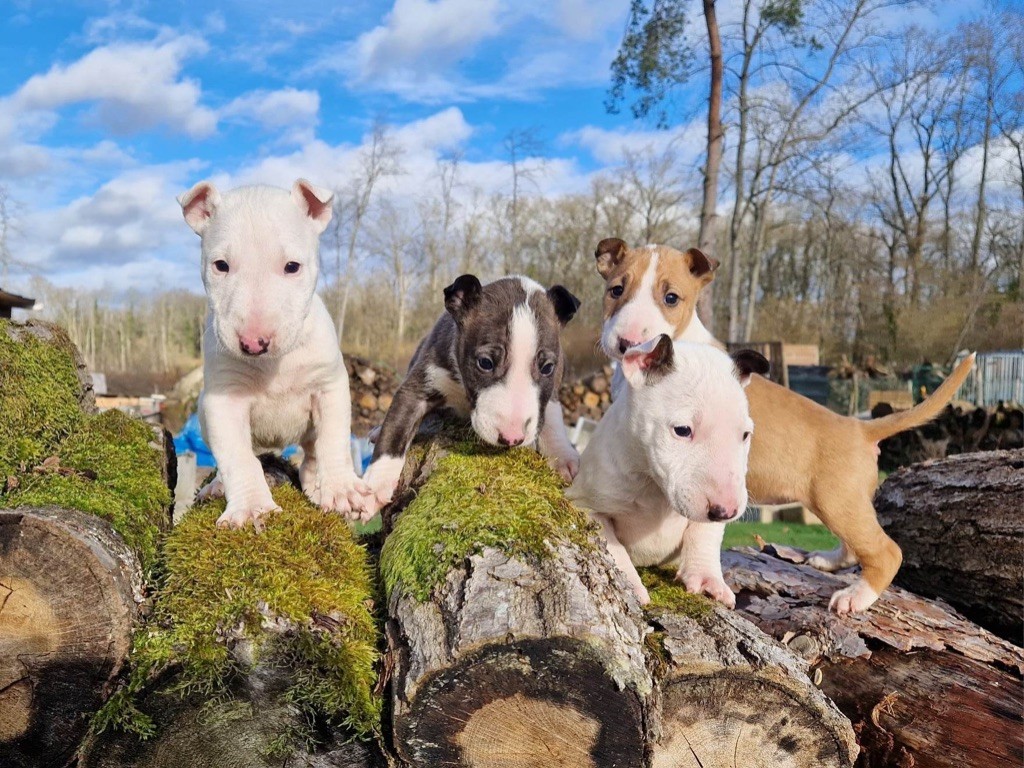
[(801, 452), (273, 372), (665, 469)]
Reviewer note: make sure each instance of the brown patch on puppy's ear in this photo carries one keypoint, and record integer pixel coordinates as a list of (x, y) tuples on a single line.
[(609, 253), (701, 266), (565, 303), (462, 295), (749, 362)]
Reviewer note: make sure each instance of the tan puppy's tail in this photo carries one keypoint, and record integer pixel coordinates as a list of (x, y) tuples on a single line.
[(923, 412)]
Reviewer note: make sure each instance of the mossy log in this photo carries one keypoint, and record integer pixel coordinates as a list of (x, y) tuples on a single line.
[(923, 686), (513, 641), (260, 651), (84, 501), (959, 523)]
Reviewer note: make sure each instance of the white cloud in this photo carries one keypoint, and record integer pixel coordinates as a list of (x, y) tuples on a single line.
[(134, 86), (419, 33), (610, 146), (288, 108)]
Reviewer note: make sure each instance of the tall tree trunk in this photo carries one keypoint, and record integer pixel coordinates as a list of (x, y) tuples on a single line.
[(707, 237)]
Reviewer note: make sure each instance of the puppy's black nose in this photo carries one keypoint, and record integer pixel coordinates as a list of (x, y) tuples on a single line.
[(719, 514)]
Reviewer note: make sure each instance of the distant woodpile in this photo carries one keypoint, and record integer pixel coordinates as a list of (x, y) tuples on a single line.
[(373, 388), (589, 396), (956, 430)]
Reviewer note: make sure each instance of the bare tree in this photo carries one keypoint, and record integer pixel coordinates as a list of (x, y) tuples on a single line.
[(378, 161)]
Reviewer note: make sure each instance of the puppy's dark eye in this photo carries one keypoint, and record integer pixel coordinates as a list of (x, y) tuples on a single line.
[(616, 291), (547, 368), (683, 431), (221, 266), (291, 267), (671, 299), (746, 436), (485, 363)]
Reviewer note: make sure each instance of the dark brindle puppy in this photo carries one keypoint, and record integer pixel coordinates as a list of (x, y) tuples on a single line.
[(494, 357)]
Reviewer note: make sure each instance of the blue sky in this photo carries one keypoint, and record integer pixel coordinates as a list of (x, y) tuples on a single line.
[(109, 109)]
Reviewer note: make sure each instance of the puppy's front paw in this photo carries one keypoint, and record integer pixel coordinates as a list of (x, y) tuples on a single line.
[(710, 584), (567, 464), (381, 481), (241, 514), (857, 597), (344, 493)]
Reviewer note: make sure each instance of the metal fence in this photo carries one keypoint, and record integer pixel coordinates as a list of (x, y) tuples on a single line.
[(997, 376)]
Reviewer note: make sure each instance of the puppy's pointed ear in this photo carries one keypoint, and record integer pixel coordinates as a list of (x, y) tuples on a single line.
[(198, 205), (461, 296), (646, 363), (609, 253), (749, 362), (315, 202), (565, 303), (701, 266)]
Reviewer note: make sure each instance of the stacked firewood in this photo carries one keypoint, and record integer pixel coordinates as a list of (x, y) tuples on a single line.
[(589, 396), (373, 388), (956, 430)]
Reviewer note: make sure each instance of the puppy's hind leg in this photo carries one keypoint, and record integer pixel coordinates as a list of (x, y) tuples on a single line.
[(880, 557), (833, 559)]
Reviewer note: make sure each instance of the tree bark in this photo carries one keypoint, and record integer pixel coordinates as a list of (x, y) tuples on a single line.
[(958, 521), (707, 236), (70, 591), (923, 686)]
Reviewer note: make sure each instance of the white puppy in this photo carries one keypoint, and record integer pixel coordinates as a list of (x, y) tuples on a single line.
[(666, 467), (273, 372)]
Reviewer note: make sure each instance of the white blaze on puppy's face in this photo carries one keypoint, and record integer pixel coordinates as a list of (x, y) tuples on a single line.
[(695, 427), (508, 412), (650, 291), (260, 252)]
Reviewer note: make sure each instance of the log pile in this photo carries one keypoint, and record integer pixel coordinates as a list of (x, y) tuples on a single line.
[(373, 388), (923, 687), (513, 640), (956, 430), (486, 626), (589, 396), (960, 524), (84, 502)]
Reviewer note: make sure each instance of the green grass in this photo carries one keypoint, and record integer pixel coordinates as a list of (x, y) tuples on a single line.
[(794, 534)]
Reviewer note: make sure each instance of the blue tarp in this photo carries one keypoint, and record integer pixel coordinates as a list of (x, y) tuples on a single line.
[(191, 439)]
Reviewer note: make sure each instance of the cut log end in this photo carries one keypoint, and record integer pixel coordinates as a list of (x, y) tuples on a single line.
[(743, 719), (516, 705), (68, 600)]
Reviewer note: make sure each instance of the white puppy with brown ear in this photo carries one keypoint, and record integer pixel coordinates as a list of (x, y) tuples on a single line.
[(273, 372), (666, 466)]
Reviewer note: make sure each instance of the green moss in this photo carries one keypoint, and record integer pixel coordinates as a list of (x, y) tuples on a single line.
[(479, 497), (39, 390), (305, 567), (109, 468), (668, 595)]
